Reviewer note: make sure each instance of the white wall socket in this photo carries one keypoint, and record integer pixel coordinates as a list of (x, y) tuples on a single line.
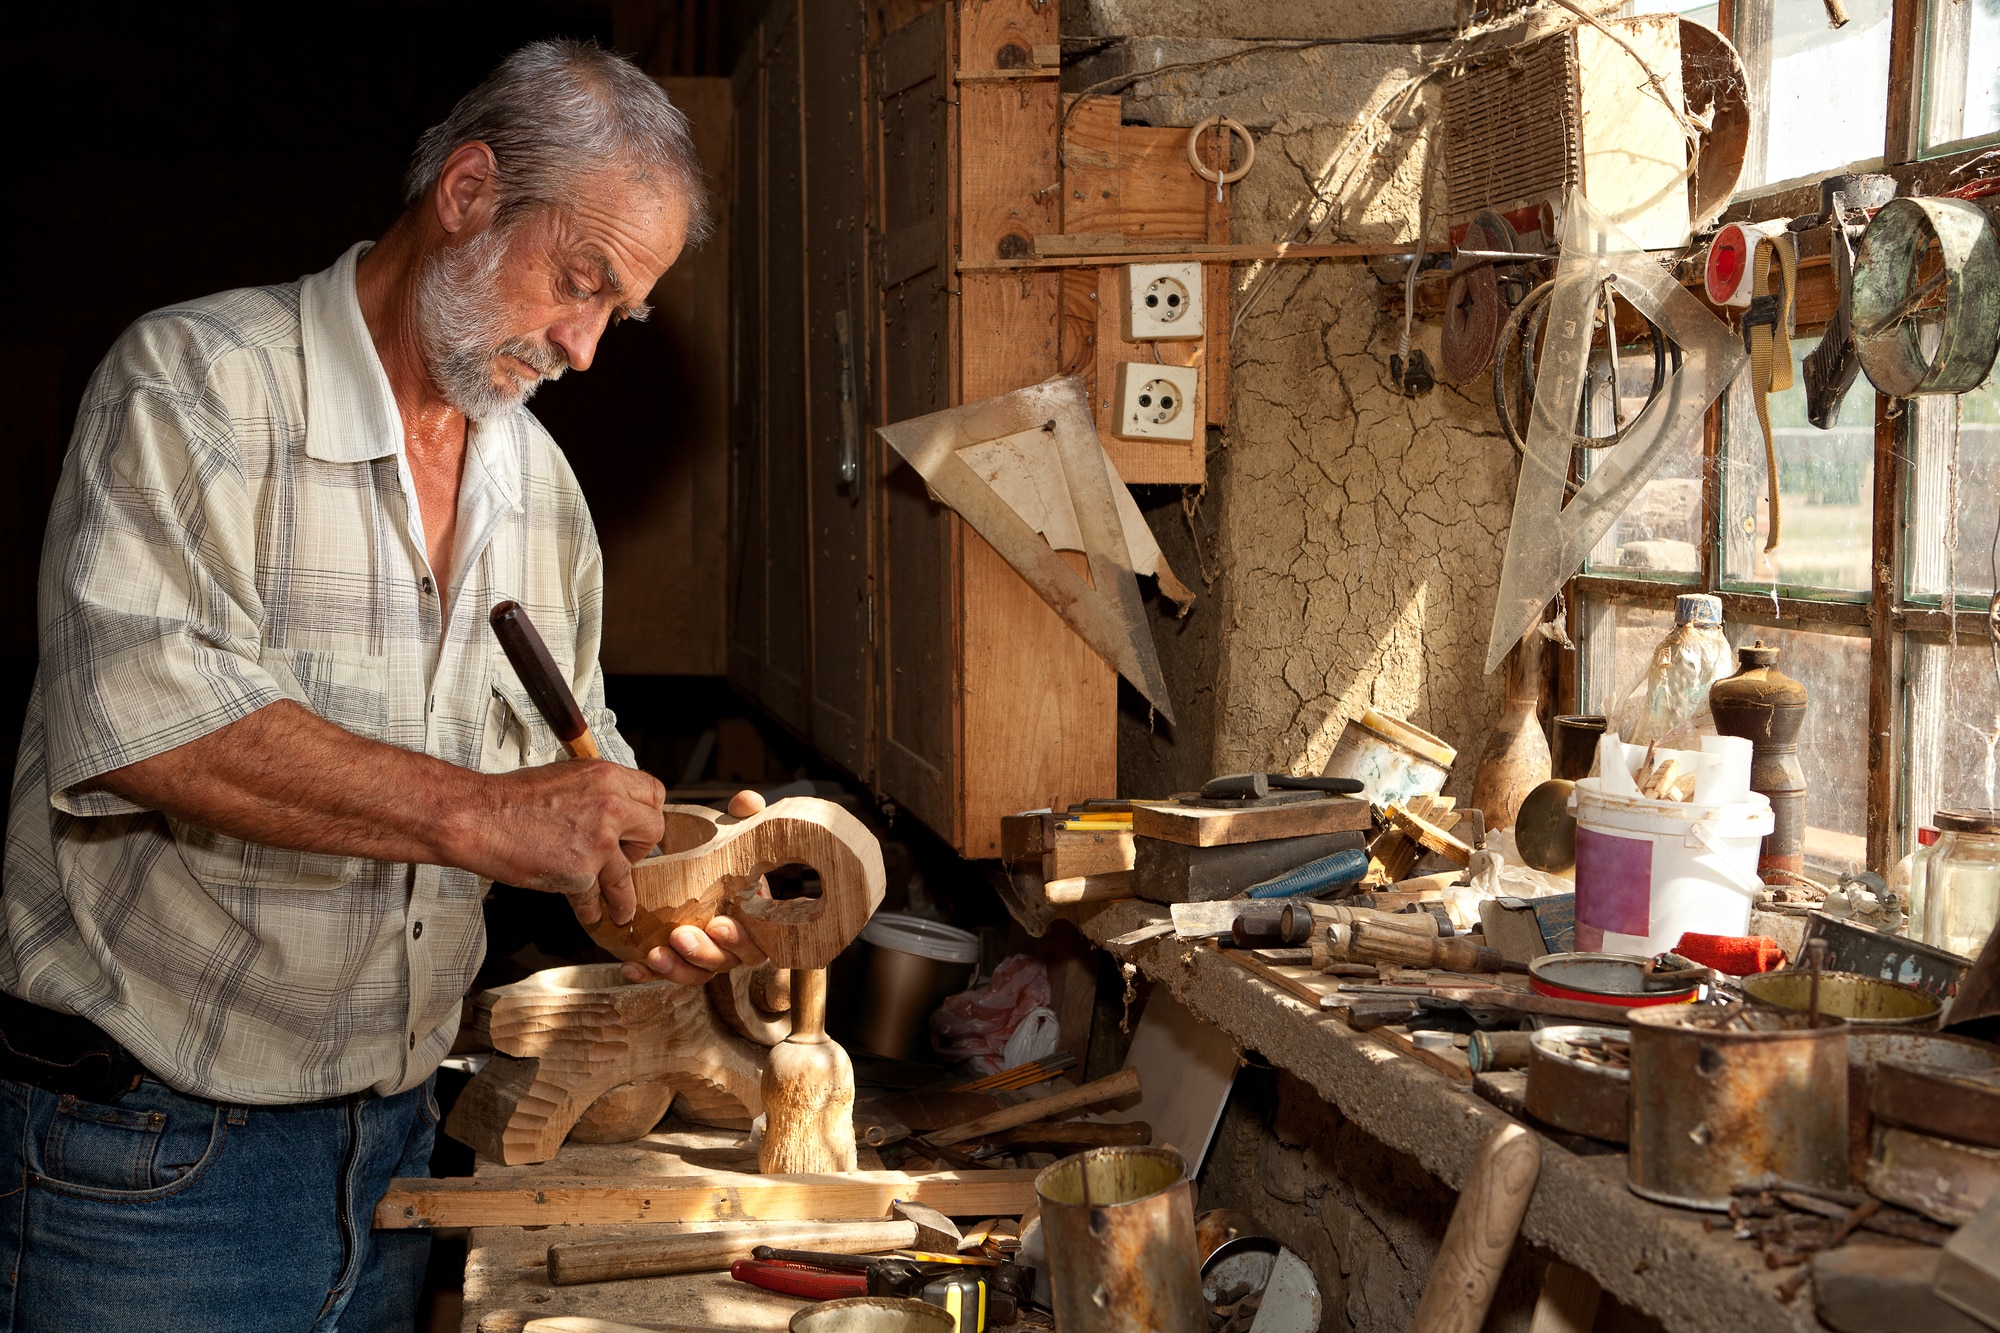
[(1156, 402), (1162, 302)]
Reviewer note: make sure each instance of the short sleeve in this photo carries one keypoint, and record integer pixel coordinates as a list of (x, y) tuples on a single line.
[(149, 611)]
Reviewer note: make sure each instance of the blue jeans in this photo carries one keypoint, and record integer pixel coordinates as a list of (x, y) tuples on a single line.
[(170, 1214)]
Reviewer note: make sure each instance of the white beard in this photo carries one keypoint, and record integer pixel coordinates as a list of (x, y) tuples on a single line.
[(463, 328)]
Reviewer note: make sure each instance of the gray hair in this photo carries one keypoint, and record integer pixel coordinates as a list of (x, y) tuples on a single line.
[(558, 111)]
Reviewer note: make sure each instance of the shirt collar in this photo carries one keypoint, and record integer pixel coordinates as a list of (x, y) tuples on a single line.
[(351, 414)]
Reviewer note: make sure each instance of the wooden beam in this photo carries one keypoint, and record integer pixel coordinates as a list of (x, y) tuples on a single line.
[(723, 1196), (1165, 253), (1734, 604), (1883, 769), (1903, 132)]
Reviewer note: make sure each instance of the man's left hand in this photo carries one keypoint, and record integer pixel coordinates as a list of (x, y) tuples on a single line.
[(699, 952)]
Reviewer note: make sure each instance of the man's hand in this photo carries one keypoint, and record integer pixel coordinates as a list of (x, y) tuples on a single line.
[(698, 953), (574, 828)]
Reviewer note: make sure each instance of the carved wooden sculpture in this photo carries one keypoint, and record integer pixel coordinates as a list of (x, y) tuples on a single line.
[(573, 1040), (583, 1050)]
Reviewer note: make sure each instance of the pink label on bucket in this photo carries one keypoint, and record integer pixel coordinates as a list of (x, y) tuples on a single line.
[(1614, 882)]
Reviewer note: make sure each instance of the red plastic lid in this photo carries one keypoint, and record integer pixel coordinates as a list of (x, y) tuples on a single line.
[(1926, 836)]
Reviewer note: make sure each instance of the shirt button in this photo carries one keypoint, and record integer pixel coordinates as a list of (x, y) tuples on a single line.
[(413, 1041), (417, 931), (426, 584)]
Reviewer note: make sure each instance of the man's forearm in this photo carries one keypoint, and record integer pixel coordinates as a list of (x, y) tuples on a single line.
[(286, 777)]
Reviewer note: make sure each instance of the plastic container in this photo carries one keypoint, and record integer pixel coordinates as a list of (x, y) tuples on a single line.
[(904, 968), (1649, 871), (1393, 760), (1958, 884)]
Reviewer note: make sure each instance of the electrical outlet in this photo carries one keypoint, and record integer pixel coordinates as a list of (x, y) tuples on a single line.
[(1156, 402), (1162, 302)]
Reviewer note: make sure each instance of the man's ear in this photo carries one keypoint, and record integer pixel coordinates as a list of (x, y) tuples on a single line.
[(464, 197)]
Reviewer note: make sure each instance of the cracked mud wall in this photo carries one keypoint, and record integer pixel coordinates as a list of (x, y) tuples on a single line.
[(1357, 534)]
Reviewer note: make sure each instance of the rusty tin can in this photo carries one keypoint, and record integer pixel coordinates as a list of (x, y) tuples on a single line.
[(1739, 1097), (1119, 1225), (1573, 1091)]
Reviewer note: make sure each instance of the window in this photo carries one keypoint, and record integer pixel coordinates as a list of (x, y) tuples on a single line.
[(1827, 89), (1961, 74)]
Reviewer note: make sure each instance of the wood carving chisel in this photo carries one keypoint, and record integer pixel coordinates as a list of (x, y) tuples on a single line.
[(544, 683)]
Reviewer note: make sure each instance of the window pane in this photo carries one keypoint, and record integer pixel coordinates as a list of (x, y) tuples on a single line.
[(1826, 489), (1954, 477), (1618, 642), (1828, 87), (1659, 534), (1832, 748), (1962, 72), (1953, 724)]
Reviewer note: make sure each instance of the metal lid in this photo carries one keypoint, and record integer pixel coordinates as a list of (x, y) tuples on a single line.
[(1967, 821), (1758, 654), (1698, 608)]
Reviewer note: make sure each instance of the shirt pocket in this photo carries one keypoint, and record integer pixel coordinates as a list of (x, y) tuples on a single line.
[(517, 735), (350, 690)]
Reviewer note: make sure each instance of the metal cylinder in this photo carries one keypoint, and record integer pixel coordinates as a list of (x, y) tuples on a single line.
[(1720, 1101), (1119, 1224)]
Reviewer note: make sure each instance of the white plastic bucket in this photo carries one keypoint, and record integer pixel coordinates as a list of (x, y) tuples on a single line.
[(906, 965), (1393, 760), (1649, 871)]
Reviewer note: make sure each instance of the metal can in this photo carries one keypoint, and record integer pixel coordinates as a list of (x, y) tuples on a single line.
[(1122, 1255), (1729, 1097)]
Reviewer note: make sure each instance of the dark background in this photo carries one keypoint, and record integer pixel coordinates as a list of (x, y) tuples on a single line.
[(162, 153)]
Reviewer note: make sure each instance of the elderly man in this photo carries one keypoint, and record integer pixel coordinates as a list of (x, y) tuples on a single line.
[(274, 754)]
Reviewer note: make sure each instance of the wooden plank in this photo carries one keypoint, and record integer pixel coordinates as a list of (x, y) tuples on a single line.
[(723, 1196), (1080, 852), (840, 540), (1452, 1064), (1110, 887), (1301, 983), (748, 569), (1199, 827), (1216, 295), (1092, 184), (1569, 1300), (1160, 197), (1906, 84), (1884, 644), (668, 507), (1166, 252), (1003, 34), (1946, 1181)]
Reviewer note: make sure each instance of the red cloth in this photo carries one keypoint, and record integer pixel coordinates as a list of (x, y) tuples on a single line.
[(1737, 955)]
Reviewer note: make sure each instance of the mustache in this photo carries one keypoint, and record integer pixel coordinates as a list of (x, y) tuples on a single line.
[(546, 360)]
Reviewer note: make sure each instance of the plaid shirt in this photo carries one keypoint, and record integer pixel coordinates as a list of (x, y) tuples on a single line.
[(235, 525)]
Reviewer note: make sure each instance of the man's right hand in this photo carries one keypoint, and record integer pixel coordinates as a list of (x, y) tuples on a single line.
[(573, 828)]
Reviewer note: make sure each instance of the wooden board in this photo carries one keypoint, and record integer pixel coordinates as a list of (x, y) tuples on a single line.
[(1199, 827), (1947, 1181), (461, 1201), (1081, 852), (1186, 1067)]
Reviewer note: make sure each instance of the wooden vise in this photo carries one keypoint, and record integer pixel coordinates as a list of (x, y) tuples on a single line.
[(580, 1050)]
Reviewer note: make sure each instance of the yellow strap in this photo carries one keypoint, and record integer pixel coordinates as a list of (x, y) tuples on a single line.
[(1771, 350)]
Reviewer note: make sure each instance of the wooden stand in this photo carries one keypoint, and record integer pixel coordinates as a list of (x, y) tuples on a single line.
[(808, 1091), (582, 1046)]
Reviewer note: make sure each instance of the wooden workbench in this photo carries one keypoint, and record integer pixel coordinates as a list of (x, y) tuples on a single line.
[(506, 1267), (1659, 1260)]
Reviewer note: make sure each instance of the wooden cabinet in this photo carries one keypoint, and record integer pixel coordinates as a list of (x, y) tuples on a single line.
[(864, 614)]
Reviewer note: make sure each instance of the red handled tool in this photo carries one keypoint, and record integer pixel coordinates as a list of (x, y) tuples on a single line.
[(814, 1284), (544, 683)]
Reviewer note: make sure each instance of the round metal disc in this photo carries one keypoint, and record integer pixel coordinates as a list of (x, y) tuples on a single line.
[(1474, 311)]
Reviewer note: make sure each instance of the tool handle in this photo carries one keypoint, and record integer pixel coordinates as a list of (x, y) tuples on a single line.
[(1481, 1233), (792, 1280), (1314, 876), (838, 1263), (539, 676), (1121, 1084), (1337, 786)]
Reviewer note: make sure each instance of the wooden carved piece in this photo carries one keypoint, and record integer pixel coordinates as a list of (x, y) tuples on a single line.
[(568, 1036), (755, 1002), (808, 1092), (712, 869)]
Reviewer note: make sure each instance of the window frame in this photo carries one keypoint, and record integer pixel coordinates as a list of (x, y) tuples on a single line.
[(1889, 615)]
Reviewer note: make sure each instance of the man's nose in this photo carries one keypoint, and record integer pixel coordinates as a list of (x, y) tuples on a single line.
[(577, 336)]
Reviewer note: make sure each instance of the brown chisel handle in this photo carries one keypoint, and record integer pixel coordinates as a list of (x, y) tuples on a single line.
[(544, 683)]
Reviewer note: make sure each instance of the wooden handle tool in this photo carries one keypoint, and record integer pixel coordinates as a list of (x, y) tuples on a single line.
[(530, 659), (1481, 1233), (1121, 1084), (808, 1091), (1373, 943)]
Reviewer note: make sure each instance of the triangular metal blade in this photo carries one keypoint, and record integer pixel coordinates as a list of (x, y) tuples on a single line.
[(1548, 541), (1110, 616)]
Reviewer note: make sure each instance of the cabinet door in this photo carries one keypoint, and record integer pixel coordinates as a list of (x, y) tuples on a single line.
[(788, 578), (916, 602), (748, 530), (838, 294)]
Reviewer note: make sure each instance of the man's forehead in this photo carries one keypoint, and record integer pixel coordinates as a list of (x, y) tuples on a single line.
[(629, 230)]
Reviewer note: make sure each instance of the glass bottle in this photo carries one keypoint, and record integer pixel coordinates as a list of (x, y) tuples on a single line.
[(1961, 881)]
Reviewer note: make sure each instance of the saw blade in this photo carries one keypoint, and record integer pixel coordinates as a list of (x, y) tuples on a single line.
[(1474, 312)]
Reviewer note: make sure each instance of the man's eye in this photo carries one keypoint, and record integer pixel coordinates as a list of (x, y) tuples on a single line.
[(573, 289)]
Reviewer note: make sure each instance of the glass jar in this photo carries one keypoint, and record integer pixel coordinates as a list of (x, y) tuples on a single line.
[(1959, 882)]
